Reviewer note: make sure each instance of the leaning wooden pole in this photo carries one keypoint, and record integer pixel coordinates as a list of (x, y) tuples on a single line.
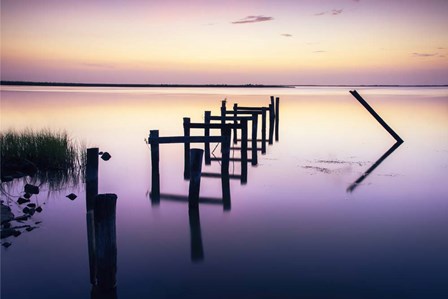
[(376, 116)]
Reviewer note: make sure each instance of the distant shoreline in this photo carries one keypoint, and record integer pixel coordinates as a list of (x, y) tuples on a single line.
[(65, 84)]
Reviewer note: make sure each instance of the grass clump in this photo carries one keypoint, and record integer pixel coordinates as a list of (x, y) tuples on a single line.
[(43, 150)]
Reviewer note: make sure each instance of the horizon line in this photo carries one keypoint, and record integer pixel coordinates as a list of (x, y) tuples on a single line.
[(248, 85)]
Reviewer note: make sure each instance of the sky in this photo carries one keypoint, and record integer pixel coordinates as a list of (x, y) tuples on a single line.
[(226, 42)]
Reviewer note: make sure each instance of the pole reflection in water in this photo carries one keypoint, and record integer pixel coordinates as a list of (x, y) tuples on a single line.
[(197, 250), (355, 184)]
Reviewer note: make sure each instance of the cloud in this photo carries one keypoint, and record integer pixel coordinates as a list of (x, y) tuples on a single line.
[(320, 51), (336, 12), (333, 12), (441, 48), (415, 54), (286, 35), (99, 65), (253, 19)]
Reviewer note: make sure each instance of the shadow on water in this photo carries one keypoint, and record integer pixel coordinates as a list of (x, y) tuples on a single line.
[(356, 183)]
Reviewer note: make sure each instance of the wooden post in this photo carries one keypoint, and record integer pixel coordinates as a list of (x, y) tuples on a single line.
[(195, 177), (263, 130), (197, 250), (225, 179), (271, 123), (91, 177), (105, 240), (223, 112), (376, 116), (244, 138), (235, 109), (277, 117), (91, 192), (155, 173), (254, 139), (186, 149), (206, 134)]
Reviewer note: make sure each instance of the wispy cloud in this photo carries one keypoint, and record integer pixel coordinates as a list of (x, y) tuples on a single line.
[(253, 19), (333, 12), (286, 35), (415, 54), (99, 65), (320, 51)]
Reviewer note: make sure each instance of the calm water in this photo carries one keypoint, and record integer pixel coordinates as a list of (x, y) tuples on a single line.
[(293, 230)]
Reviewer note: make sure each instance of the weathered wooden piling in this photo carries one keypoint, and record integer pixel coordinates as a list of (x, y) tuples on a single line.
[(105, 241), (254, 139), (195, 177), (207, 115), (186, 148), (271, 122), (225, 180), (235, 122), (277, 117), (91, 192), (91, 177), (244, 151), (155, 172), (197, 250), (263, 130), (376, 116)]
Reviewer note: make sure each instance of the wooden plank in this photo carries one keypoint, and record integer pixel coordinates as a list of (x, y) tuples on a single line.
[(213, 125), (230, 118), (277, 117), (182, 139), (186, 148), (251, 112), (155, 174)]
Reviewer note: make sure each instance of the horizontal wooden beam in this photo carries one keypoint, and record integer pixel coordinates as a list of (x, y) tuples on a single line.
[(252, 108), (185, 139), (230, 118), (213, 126), (218, 175), (243, 112)]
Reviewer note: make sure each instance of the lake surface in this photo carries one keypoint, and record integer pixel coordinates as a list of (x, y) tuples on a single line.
[(295, 230)]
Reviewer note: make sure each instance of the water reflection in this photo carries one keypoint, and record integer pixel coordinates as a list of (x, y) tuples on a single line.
[(101, 233), (356, 183)]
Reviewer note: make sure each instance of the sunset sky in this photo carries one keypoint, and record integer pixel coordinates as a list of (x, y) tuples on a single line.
[(232, 41)]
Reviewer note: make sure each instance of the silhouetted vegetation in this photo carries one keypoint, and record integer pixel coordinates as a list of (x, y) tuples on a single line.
[(50, 155)]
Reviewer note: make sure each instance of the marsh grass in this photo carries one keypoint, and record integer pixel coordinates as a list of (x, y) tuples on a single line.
[(56, 158)]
